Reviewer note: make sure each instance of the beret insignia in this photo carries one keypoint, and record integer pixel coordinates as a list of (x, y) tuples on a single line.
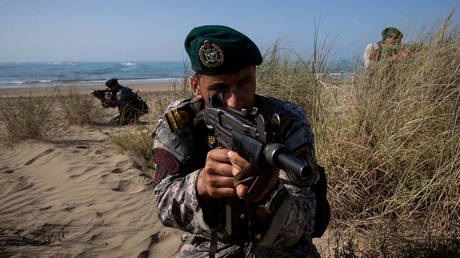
[(211, 55), (165, 163)]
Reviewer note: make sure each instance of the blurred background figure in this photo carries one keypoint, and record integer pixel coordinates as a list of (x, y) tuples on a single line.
[(130, 105), (389, 48)]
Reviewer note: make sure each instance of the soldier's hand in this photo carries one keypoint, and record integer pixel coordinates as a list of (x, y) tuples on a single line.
[(238, 164), (216, 179)]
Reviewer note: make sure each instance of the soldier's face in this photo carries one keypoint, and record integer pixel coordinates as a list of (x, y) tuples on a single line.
[(238, 89), (390, 42)]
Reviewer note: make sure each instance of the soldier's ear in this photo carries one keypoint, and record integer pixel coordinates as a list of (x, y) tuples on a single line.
[(194, 83)]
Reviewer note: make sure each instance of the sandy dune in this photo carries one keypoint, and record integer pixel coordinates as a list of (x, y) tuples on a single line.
[(78, 197)]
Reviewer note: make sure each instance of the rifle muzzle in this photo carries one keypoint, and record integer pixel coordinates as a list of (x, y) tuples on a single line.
[(278, 155)]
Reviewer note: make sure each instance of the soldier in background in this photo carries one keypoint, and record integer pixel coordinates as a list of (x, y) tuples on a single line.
[(130, 105), (389, 48), (193, 178)]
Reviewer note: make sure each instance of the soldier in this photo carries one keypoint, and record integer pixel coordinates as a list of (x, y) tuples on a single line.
[(130, 105), (390, 48), (193, 178)]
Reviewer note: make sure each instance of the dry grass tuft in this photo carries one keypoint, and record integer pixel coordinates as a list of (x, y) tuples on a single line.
[(138, 145), (80, 109), (28, 118)]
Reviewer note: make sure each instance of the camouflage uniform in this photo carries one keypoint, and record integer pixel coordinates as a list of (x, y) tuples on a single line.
[(127, 102), (375, 52), (180, 155), (370, 53)]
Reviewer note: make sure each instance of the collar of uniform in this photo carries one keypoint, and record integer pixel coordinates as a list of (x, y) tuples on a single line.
[(196, 104)]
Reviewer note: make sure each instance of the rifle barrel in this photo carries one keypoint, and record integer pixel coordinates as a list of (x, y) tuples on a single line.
[(292, 163)]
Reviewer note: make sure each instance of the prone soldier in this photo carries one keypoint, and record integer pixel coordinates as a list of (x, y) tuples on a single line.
[(196, 176)]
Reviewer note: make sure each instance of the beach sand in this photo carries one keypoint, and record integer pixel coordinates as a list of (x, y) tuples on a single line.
[(77, 196), (44, 91)]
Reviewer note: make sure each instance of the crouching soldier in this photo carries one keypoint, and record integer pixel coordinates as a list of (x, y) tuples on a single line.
[(130, 105)]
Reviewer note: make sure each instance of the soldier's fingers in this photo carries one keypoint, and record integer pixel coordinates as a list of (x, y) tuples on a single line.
[(220, 181), (218, 168), (237, 161), (218, 155), (222, 192), (242, 191)]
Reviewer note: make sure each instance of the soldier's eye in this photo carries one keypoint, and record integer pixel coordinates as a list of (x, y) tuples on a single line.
[(217, 89), (244, 81)]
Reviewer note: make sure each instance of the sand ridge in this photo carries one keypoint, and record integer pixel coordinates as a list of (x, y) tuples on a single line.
[(78, 197)]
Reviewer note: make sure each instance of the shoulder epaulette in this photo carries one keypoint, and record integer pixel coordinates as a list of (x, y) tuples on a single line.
[(179, 118)]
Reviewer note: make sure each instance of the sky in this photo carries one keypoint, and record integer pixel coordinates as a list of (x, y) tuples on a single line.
[(135, 30)]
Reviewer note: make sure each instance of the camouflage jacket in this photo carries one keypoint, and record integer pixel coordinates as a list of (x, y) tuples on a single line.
[(179, 156), (375, 52)]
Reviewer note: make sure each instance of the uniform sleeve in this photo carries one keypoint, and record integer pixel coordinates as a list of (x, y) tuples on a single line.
[(111, 101), (126, 95), (176, 196), (369, 54), (293, 216)]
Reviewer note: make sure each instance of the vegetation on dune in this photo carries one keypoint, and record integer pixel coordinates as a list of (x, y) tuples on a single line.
[(390, 141), (28, 118), (79, 109)]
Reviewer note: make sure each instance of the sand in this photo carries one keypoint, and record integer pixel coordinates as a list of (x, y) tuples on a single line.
[(77, 196), (44, 91)]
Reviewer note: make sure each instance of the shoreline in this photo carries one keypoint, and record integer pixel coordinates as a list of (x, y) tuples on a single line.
[(83, 89)]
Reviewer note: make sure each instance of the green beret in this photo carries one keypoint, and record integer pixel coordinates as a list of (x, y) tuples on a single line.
[(391, 33), (216, 49), (111, 82)]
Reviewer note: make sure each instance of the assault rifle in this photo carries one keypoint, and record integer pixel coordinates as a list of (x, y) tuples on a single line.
[(100, 94), (256, 141)]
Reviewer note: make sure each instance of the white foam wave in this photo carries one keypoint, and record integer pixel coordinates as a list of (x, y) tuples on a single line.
[(128, 63)]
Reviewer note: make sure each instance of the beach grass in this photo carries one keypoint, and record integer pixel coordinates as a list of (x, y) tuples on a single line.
[(28, 118), (389, 139), (79, 109)]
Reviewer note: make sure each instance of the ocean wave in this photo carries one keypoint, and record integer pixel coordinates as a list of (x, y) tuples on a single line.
[(128, 63), (97, 82)]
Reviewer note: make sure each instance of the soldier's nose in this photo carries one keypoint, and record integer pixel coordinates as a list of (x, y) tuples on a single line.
[(234, 100)]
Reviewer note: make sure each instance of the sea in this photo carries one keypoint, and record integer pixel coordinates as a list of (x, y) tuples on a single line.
[(40, 74)]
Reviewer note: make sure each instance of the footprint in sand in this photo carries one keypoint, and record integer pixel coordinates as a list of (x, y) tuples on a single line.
[(127, 186), (154, 239), (48, 151), (117, 171), (6, 170), (122, 163)]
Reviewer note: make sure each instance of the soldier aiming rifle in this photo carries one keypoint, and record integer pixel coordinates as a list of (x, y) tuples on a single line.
[(130, 105), (235, 170)]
